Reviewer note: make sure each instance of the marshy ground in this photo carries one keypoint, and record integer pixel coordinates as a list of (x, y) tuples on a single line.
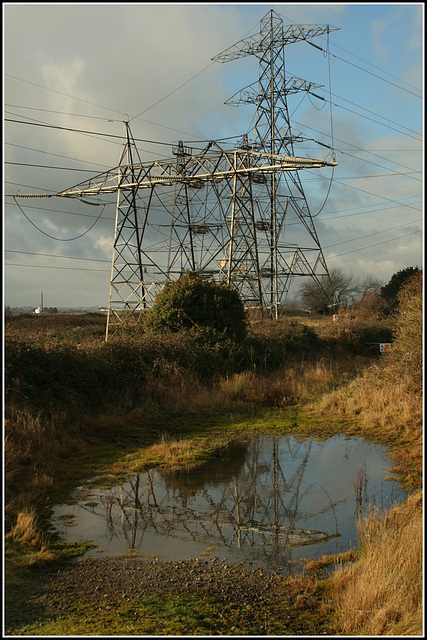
[(76, 407), (141, 597)]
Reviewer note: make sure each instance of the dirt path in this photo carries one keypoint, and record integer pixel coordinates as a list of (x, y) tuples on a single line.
[(267, 600)]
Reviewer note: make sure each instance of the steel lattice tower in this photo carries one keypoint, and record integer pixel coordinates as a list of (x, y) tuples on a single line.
[(127, 289), (280, 195), (220, 214)]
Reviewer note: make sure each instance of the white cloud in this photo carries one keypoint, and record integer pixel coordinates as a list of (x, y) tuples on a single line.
[(104, 243), (75, 61)]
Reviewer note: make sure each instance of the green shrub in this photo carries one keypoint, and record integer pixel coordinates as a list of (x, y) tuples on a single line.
[(406, 357), (192, 302), (390, 292)]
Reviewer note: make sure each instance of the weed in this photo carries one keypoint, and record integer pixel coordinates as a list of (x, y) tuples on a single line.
[(75, 405), (360, 486), (381, 594)]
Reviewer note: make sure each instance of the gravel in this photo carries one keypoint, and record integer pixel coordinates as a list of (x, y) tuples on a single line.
[(57, 591)]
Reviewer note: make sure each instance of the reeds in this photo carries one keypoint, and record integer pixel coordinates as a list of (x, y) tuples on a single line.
[(30, 448), (381, 594), (73, 386)]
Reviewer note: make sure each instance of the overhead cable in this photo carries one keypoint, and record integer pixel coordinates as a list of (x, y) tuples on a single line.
[(53, 237)]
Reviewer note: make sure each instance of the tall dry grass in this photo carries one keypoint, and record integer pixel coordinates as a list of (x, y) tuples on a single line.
[(30, 446), (33, 447), (177, 390), (385, 409), (382, 593), (385, 400)]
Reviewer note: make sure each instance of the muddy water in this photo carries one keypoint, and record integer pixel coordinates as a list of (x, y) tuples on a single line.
[(267, 501)]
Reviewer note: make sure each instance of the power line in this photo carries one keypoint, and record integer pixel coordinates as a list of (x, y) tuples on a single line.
[(57, 155), (108, 108), (339, 106), (361, 213), (172, 92), (375, 67), (67, 213), (369, 235), (80, 115), (62, 113), (15, 264), (53, 237), (370, 193), (378, 175), (42, 266), (52, 255), (398, 164), (94, 104), (84, 132), (44, 166), (373, 245), (375, 75)]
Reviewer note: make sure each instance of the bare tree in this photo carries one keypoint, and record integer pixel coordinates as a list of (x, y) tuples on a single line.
[(344, 288)]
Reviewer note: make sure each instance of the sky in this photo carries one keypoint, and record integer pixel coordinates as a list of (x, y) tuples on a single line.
[(72, 73)]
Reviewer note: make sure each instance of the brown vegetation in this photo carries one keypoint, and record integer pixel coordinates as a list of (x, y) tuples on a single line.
[(381, 593), (67, 389)]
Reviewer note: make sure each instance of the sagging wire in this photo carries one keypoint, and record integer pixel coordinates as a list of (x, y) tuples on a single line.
[(331, 147), (53, 237), (330, 95)]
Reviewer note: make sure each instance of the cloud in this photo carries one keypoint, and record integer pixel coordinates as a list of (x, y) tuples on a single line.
[(86, 66), (103, 243)]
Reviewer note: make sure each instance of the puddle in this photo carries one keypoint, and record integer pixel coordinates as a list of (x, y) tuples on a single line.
[(268, 501)]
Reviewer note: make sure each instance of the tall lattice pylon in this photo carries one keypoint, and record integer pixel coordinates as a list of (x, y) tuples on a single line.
[(259, 237), (222, 214), (127, 289)]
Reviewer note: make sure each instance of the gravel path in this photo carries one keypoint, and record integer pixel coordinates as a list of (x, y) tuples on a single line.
[(56, 592)]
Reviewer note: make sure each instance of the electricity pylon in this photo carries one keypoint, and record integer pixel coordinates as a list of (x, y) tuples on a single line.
[(127, 289), (221, 214), (265, 202)]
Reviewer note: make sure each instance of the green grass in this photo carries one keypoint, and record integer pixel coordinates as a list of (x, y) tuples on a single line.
[(115, 408), (175, 615), (154, 615)]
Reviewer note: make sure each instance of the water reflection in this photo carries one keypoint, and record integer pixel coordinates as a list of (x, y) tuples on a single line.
[(266, 500)]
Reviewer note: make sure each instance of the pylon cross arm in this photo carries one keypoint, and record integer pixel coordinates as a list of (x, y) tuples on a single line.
[(223, 165), (281, 36)]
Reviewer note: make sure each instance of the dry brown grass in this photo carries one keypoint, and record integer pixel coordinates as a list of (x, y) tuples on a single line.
[(375, 401), (179, 391), (384, 407), (382, 594), (26, 532), (29, 449), (32, 448)]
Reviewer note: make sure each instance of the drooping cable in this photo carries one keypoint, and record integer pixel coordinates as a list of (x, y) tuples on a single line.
[(326, 53), (330, 95), (53, 237)]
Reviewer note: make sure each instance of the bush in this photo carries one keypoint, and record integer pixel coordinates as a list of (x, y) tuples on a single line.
[(390, 292), (191, 302), (406, 356)]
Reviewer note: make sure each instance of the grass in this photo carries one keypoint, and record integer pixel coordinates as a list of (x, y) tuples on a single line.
[(178, 615), (172, 401), (382, 593)]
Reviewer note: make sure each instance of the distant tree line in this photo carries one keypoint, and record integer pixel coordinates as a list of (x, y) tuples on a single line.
[(345, 291), (50, 310)]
